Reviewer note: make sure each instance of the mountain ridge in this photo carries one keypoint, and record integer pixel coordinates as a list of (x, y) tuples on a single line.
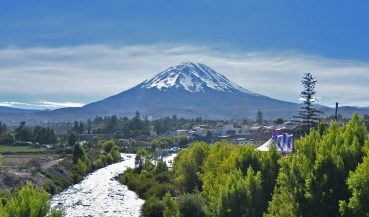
[(188, 90)]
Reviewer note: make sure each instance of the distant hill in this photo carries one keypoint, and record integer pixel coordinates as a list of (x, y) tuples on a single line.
[(4, 109), (187, 90)]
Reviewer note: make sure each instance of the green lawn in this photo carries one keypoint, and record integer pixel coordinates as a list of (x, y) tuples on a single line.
[(20, 149)]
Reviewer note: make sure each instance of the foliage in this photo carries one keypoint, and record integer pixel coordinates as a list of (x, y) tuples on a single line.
[(108, 145), (327, 175), (124, 127), (241, 196), (313, 179), (279, 121), (358, 183), (3, 128), (225, 160), (188, 166), (61, 182), (40, 135), (260, 117), (115, 154), (7, 138), (55, 213), (148, 183), (308, 115), (29, 201), (73, 138), (23, 133), (170, 206), (44, 135), (168, 142), (78, 153), (78, 127), (140, 160), (152, 208), (191, 205)]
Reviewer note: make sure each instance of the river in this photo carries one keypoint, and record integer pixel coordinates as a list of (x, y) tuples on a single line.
[(100, 194)]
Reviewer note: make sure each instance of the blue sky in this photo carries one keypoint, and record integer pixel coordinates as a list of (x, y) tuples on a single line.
[(254, 43)]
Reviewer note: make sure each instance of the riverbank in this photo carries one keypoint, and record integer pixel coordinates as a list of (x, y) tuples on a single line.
[(49, 170), (100, 194)]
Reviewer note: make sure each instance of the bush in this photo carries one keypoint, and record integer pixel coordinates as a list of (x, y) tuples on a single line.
[(7, 139), (152, 208), (78, 153), (191, 205), (50, 187), (29, 201), (115, 154)]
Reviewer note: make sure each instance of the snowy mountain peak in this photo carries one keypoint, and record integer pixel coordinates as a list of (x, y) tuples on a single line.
[(192, 77)]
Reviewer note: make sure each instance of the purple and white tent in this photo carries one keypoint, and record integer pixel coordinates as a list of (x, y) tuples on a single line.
[(284, 143)]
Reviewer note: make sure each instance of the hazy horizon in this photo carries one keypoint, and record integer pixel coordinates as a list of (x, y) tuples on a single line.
[(60, 54)]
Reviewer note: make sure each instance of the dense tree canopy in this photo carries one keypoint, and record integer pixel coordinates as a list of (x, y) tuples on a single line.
[(326, 175), (314, 179), (41, 135)]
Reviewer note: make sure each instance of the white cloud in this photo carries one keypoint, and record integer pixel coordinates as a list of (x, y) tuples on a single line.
[(49, 104), (93, 72), (42, 104), (60, 104), (15, 104)]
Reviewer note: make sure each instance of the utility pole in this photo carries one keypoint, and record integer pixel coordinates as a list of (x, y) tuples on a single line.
[(336, 112)]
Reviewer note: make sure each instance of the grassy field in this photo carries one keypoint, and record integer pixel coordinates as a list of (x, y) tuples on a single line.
[(21, 149), (22, 160)]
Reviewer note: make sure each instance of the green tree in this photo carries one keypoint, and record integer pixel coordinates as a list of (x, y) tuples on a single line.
[(279, 121), (29, 202), (242, 196), (3, 128), (283, 204), (260, 117), (44, 135), (112, 124), (7, 138), (142, 160), (188, 166), (314, 178), (78, 153), (115, 154), (23, 133), (82, 166), (81, 127), (153, 208), (170, 206), (89, 125), (308, 115), (73, 138), (191, 205), (358, 183), (3, 211), (108, 146)]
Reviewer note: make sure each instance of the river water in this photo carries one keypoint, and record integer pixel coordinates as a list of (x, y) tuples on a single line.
[(100, 194)]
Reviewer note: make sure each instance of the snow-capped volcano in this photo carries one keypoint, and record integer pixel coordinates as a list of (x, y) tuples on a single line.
[(192, 77), (187, 90)]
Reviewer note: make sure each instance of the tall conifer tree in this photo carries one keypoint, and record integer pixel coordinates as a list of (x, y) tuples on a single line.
[(308, 116)]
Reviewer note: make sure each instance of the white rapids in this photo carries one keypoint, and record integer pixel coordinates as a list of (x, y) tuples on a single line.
[(100, 194)]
